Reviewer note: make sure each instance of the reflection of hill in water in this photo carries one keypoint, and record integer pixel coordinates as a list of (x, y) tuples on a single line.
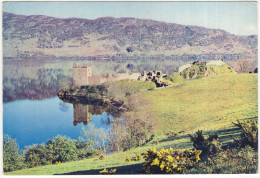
[(46, 85), (32, 82)]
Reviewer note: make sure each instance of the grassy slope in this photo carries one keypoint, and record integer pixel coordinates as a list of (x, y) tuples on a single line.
[(210, 104)]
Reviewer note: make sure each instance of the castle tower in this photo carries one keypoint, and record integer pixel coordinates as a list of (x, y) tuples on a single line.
[(81, 74)]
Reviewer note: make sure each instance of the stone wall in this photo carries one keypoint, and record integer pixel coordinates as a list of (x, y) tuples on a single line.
[(184, 67), (216, 62)]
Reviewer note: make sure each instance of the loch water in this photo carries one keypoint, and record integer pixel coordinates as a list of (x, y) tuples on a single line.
[(32, 111)]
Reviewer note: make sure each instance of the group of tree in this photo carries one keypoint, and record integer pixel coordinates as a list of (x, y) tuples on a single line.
[(57, 150)]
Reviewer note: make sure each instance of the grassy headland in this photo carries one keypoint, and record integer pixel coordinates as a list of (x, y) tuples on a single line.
[(209, 104)]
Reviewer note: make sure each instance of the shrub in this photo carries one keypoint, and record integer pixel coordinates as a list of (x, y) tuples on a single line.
[(106, 172), (138, 157), (249, 135), (93, 152), (12, 160), (35, 155), (235, 161), (172, 134), (102, 157), (127, 159), (82, 146), (170, 161), (209, 146), (61, 149)]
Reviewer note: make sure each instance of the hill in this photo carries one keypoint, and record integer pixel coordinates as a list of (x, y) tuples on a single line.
[(210, 104), (42, 36)]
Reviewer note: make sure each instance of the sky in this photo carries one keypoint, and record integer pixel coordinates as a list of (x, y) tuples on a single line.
[(239, 18)]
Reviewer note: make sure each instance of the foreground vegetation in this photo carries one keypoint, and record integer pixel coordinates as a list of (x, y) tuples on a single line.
[(208, 104)]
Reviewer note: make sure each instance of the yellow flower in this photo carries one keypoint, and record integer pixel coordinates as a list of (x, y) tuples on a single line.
[(162, 166), (197, 158), (112, 171), (155, 162), (179, 169), (168, 169), (104, 171), (154, 150), (170, 159), (159, 155), (174, 166)]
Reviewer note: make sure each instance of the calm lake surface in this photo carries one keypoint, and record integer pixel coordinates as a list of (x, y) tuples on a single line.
[(35, 121), (32, 111)]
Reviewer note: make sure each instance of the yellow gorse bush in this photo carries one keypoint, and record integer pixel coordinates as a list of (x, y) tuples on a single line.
[(127, 158), (105, 171), (169, 160)]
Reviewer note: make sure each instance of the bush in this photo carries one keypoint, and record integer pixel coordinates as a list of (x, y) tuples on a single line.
[(61, 149), (235, 161), (209, 146), (170, 161), (172, 134), (35, 155), (82, 147), (102, 157), (249, 135), (106, 172), (12, 160), (127, 158), (137, 158)]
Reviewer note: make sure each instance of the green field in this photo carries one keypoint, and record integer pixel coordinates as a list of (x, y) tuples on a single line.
[(209, 104)]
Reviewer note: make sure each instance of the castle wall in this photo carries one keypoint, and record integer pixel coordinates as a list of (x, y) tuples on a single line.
[(184, 67), (216, 62)]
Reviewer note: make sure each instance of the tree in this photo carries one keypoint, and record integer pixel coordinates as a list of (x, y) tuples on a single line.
[(12, 159), (61, 149), (35, 155), (244, 66)]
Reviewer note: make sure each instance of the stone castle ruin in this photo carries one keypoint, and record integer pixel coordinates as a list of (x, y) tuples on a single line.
[(154, 76), (82, 75)]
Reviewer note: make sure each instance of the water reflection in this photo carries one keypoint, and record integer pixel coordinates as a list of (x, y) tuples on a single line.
[(81, 114), (25, 80)]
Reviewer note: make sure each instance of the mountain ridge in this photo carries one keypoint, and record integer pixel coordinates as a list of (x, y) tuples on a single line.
[(44, 36)]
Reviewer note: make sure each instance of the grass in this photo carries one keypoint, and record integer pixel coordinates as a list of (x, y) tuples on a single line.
[(208, 104)]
